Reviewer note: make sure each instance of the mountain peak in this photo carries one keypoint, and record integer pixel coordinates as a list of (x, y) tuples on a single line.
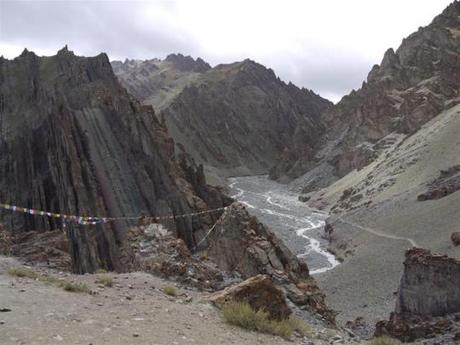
[(65, 51), (187, 63)]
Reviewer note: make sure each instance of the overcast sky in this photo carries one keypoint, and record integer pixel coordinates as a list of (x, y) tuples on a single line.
[(327, 46)]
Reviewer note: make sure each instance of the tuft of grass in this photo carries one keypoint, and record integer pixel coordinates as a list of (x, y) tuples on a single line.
[(106, 281), (242, 315), (101, 270), (50, 280), (169, 290), (23, 272), (301, 327), (75, 287), (384, 341)]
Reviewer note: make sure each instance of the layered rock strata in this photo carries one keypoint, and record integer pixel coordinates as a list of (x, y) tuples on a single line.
[(73, 141)]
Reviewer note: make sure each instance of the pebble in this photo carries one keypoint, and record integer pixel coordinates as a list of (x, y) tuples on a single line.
[(2, 322), (135, 335)]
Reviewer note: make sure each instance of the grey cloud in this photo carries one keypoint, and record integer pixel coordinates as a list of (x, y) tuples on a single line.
[(89, 27)]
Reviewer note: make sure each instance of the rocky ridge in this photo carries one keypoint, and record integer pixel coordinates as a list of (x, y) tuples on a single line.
[(410, 86), (74, 141), (234, 117)]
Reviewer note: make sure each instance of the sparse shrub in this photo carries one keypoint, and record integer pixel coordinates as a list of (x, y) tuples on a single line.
[(106, 281), (50, 280), (301, 327), (384, 341), (169, 290), (242, 315), (101, 270), (23, 272), (75, 287)]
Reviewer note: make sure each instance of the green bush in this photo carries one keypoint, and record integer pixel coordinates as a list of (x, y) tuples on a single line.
[(23, 272), (242, 315), (106, 281), (384, 341), (169, 290), (75, 287)]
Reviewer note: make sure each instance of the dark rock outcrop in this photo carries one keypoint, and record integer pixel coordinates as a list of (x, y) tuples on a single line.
[(74, 141), (259, 292), (410, 86), (447, 183), (235, 117), (51, 248), (429, 292), (239, 243), (430, 284), (455, 238), (187, 63), (411, 329), (154, 249)]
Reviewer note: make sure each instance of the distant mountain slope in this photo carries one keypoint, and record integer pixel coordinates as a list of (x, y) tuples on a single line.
[(409, 195), (74, 141), (235, 117), (155, 81), (411, 86)]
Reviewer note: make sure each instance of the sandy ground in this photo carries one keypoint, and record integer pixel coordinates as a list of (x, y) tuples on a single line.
[(133, 311), (378, 235)]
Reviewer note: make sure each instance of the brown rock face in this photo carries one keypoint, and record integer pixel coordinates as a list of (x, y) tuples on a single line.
[(240, 243), (259, 292), (410, 86), (73, 141)]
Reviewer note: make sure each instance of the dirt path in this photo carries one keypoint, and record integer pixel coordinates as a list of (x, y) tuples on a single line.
[(133, 311), (378, 233)]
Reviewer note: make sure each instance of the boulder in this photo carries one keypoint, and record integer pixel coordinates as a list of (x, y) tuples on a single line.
[(259, 292), (455, 237)]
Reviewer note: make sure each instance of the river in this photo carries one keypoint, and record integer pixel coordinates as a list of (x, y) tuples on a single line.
[(297, 225)]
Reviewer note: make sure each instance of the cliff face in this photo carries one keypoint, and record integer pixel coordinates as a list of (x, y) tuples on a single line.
[(428, 296), (410, 86), (236, 117), (430, 285), (73, 141)]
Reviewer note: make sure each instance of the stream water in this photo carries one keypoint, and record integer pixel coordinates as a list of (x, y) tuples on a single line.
[(297, 225)]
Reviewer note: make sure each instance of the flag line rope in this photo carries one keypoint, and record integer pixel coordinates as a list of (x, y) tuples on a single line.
[(83, 220)]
